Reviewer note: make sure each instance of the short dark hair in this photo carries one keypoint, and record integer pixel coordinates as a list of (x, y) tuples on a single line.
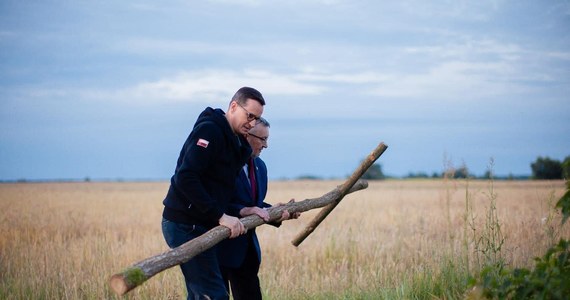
[(245, 93)]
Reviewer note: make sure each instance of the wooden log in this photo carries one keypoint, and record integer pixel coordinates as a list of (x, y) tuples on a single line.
[(366, 163), (141, 271)]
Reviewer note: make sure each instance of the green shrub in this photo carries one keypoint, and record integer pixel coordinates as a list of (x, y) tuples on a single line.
[(550, 278)]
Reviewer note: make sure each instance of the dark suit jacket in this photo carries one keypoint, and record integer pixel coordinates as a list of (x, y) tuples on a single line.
[(231, 252)]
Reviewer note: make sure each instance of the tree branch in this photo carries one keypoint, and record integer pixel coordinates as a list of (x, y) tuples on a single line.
[(372, 157), (141, 271)]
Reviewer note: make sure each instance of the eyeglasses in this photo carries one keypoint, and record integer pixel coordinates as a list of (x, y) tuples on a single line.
[(250, 116), (263, 139)]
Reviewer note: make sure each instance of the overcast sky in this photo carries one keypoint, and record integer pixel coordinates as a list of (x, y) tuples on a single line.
[(111, 89)]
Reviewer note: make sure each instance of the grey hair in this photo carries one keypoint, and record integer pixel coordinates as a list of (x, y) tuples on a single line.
[(264, 122)]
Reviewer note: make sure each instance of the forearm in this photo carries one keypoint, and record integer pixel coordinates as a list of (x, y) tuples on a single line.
[(254, 210), (248, 211)]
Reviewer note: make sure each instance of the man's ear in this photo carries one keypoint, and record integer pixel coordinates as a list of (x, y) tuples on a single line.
[(232, 106)]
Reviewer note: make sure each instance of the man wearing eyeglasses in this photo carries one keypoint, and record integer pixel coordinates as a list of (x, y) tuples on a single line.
[(203, 184), (240, 257)]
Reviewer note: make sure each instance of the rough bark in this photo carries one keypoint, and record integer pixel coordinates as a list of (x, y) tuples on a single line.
[(138, 273), (343, 190)]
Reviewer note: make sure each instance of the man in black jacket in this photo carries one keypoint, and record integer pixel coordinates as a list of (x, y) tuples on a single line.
[(203, 183), (240, 258)]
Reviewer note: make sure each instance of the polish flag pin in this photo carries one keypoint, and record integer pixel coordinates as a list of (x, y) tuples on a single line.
[(202, 143)]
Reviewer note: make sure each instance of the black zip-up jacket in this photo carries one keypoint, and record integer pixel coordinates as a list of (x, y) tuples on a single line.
[(206, 171)]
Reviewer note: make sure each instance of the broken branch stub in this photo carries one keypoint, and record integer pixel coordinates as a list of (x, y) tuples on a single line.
[(370, 159), (141, 271)]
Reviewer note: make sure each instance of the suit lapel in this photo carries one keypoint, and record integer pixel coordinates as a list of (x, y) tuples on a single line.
[(243, 176), (259, 201)]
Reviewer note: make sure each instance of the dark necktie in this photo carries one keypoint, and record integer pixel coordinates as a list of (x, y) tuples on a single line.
[(252, 179)]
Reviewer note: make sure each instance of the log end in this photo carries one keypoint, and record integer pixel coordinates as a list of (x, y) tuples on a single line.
[(127, 280), (118, 284)]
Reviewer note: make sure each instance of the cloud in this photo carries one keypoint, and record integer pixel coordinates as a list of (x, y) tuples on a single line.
[(462, 67), (452, 80), (559, 55), (239, 2), (478, 11), (158, 46), (202, 86), (446, 80), (364, 77), (7, 34), (250, 3), (219, 85), (466, 47)]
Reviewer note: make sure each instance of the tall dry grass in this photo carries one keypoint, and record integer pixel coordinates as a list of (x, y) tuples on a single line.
[(396, 239)]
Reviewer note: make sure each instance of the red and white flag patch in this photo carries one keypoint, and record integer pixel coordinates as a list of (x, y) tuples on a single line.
[(203, 143)]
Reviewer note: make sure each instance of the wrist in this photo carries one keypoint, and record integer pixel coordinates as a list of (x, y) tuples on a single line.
[(222, 218)]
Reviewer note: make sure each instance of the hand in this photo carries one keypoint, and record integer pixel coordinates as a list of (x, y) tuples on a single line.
[(294, 215), (254, 210), (286, 215), (234, 224)]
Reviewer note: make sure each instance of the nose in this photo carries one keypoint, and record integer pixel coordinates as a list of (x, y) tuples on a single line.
[(252, 123)]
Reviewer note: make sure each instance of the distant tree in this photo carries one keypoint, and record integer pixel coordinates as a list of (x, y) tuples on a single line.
[(417, 175), (374, 173), (462, 172), (546, 168), (452, 172), (566, 168), (309, 177)]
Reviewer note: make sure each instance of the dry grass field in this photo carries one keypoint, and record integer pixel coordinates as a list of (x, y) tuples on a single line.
[(396, 239)]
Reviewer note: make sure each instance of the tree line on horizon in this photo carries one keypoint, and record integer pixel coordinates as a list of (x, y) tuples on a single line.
[(542, 168)]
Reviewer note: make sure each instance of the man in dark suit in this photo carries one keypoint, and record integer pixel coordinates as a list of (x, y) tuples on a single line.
[(240, 257)]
